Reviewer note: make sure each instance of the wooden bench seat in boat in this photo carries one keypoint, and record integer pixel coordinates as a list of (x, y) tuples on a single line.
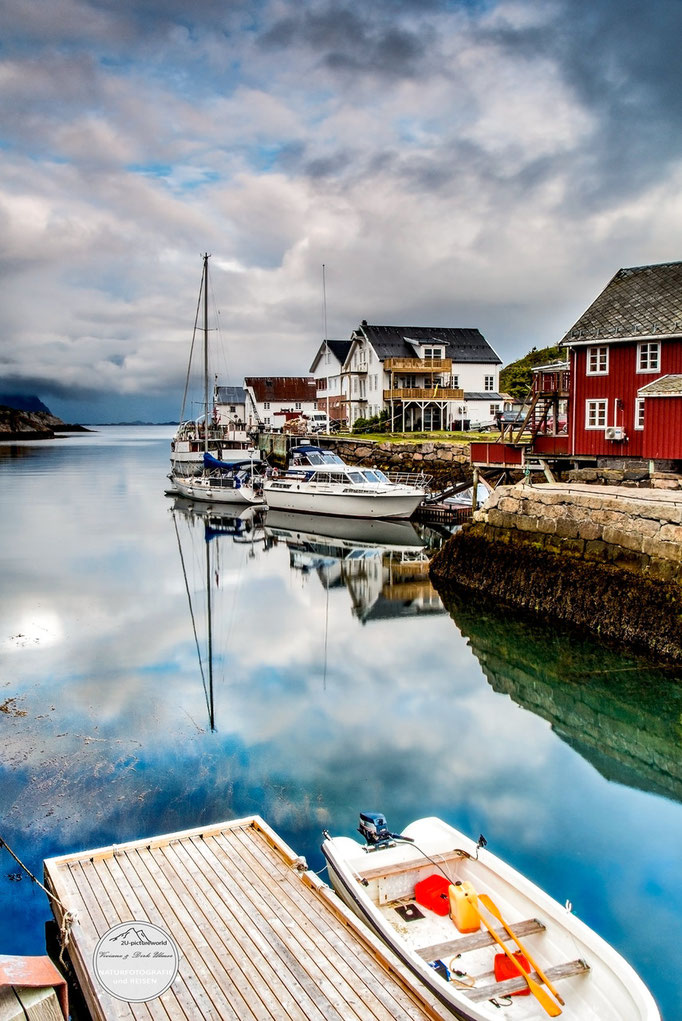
[(411, 865), (515, 985), (476, 940)]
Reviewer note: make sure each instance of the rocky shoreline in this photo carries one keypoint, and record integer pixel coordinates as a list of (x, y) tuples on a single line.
[(32, 425)]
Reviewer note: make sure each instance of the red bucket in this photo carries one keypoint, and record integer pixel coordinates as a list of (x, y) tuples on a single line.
[(504, 969)]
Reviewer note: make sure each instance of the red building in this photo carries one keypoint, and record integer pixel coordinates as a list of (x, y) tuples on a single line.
[(623, 382)]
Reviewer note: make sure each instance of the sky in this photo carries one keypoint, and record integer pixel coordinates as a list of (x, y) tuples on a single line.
[(448, 162)]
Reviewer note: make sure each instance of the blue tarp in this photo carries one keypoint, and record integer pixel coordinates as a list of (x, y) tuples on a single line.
[(212, 462)]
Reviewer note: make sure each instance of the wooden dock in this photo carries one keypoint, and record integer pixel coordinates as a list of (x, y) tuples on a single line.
[(259, 935)]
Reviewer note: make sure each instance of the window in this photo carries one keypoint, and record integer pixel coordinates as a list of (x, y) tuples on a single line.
[(649, 356), (494, 408), (488, 382), (595, 414), (298, 405), (266, 406), (267, 420), (639, 413), (455, 382), (597, 361), (232, 409)]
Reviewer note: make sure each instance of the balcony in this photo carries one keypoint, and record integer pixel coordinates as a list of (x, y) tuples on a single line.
[(433, 393), (418, 364), (551, 382)]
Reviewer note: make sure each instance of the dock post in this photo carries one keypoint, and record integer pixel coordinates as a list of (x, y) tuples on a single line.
[(474, 492)]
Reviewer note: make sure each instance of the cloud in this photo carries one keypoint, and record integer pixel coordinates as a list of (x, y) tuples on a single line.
[(485, 165)]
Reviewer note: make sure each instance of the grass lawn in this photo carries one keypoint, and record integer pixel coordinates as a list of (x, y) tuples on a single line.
[(458, 438)]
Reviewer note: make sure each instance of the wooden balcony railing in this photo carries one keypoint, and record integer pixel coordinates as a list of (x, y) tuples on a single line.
[(418, 364), (415, 393), (552, 382)]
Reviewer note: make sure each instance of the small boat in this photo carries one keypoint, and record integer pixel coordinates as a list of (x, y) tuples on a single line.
[(479, 934), (317, 481), (233, 482)]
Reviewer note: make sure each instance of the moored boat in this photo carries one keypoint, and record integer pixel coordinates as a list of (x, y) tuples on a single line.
[(317, 481), (476, 931), (235, 482), (213, 478)]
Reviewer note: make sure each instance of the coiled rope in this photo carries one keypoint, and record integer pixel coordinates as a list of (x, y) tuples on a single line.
[(69, 918)]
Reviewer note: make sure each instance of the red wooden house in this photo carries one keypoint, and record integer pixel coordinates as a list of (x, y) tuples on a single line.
[(624, 382)]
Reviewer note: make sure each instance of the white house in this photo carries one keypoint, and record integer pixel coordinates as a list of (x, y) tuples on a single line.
[(327, 367), (271, 401), (426, 378)]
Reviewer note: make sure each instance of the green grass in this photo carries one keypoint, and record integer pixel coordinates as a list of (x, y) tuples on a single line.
[(457, 438)]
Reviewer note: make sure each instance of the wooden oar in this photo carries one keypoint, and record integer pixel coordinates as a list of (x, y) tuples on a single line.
[(494, 910), (538, 992)]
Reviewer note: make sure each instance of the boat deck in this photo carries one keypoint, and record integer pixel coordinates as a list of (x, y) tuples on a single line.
[(259, 936)]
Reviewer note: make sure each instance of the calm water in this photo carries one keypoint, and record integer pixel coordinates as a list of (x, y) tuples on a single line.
[(339, 683)]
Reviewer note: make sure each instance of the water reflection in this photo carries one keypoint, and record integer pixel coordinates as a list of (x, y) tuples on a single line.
[(383, 564), (622, 715)]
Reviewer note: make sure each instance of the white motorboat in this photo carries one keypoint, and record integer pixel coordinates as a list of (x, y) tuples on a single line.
[(479, 934), (317, 481), (224, 442)]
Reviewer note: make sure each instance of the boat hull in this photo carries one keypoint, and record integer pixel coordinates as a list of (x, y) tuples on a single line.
[(211, 490), (607, 990), (292, 496)]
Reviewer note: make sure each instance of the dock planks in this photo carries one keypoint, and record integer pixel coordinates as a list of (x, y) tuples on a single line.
[(259, 936)]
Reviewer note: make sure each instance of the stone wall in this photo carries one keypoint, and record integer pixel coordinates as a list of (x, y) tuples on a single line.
[(605, 559), (640, 530)]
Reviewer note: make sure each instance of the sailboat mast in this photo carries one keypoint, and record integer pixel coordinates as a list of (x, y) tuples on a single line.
[(206, 416)]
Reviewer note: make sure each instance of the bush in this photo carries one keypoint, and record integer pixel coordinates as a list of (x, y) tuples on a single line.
[(375, 424)]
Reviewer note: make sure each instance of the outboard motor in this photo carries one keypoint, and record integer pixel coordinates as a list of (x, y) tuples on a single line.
[(373, 827), (376, 833)]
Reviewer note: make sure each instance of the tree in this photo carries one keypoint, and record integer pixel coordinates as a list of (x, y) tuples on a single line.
[(516, 378)]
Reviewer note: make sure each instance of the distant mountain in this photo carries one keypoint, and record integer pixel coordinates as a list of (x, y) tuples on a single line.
[(24, 402)]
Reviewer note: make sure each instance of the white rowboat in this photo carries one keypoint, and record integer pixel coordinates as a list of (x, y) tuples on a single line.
[(592, 981)]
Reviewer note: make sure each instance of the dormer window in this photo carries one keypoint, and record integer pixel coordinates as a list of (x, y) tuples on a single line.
[(429, 353)]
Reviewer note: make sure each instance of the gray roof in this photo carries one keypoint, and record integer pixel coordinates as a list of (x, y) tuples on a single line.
[(641, 301), (462, 345), (666, 386), (339, 348), (230, 395)]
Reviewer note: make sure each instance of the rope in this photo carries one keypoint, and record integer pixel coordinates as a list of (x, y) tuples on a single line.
[(69, 918)]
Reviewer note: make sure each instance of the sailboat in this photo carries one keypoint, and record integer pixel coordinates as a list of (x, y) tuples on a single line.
[(233, 475)]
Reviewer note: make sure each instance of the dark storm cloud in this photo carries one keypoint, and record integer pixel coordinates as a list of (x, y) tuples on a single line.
[(621, 60), (355, 39)]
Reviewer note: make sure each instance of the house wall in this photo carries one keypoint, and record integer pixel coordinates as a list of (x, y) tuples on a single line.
[(662, 428), (619, 388)]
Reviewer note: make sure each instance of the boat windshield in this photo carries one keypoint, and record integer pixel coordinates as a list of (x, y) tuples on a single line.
[(356, 477), (319, 457), (373, 476)]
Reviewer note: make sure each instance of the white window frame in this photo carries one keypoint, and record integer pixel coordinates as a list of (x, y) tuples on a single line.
[(598, 404), (455, 382), (600, 354), (644, 352), (639, 413), (266, 405), (489, 384)]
